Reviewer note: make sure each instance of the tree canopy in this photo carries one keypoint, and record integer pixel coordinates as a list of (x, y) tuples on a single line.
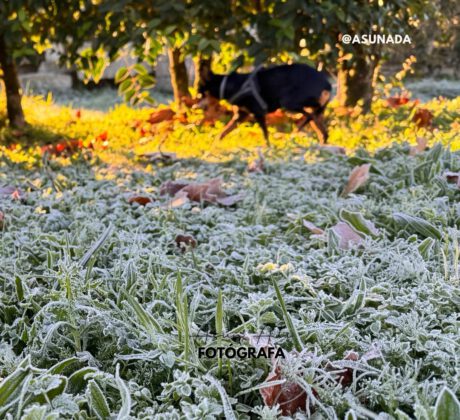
[(91, 33)]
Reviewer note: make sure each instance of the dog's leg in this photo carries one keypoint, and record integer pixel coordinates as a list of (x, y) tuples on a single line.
[(307, 117), (238, 117), (317, 123), (260, 118)]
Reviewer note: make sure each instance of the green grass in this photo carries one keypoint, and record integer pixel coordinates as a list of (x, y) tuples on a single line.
[(100, 311)]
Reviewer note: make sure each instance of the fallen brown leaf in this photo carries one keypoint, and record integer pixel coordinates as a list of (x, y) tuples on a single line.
[(205, 191), (165, 114), (171, 187), (358, 177), (139, 199), (345, 373), (347, 236), (346, 377), (2, 220), (453, 177), (423, 118), (397, 101), (178, 200), (209, 192), (184, 242), (312, 228), (290, 396)]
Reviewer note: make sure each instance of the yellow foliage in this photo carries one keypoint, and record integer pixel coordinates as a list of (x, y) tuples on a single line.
[(383, 126)]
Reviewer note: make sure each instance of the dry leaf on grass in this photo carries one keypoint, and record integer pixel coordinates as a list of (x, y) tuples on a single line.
[(344, 368), (358, 177), (2, 219), (423, 118), (65, 147), (165, 114), (422, 144), (397, 101), (351, 360), (205, 191), (178, 200), (347, 236), (312, 228), (139, 199), (453, 177), (290, 396), (171, 187), (184, 242), (345, 376), (208, 192)]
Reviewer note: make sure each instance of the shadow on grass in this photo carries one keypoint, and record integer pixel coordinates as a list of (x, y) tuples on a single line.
[(28, 136)]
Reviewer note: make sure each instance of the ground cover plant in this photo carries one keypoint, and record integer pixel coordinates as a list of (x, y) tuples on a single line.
[(118, 262)]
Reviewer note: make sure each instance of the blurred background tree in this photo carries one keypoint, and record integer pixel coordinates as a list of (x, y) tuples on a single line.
[(313, 30), (22, 25), (92, 33)]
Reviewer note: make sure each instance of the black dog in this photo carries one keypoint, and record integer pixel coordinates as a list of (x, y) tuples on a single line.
[(295, 88)]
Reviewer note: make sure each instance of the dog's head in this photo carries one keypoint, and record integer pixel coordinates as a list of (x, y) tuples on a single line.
[(205, 86), (206, 102), (205, 75)]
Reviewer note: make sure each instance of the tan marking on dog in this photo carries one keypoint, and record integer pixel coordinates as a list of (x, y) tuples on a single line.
[(324, 97), (203, 103)]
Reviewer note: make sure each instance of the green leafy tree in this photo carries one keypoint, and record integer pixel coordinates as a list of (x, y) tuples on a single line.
[(303, 30), (94, 32), (111, 29), (184, 28), (27, 28), (21, 24)]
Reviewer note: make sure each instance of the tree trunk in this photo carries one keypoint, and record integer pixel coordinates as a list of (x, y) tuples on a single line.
[(202, 68), (178, 72), (356, 81), (12, 87)]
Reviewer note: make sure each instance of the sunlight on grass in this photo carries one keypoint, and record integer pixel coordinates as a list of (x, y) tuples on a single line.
[(123, 133)]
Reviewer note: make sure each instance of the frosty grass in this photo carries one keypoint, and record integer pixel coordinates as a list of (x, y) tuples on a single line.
[(99, 309)]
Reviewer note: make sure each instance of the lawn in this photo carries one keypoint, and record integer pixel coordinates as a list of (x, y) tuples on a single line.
[(113, 275)]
